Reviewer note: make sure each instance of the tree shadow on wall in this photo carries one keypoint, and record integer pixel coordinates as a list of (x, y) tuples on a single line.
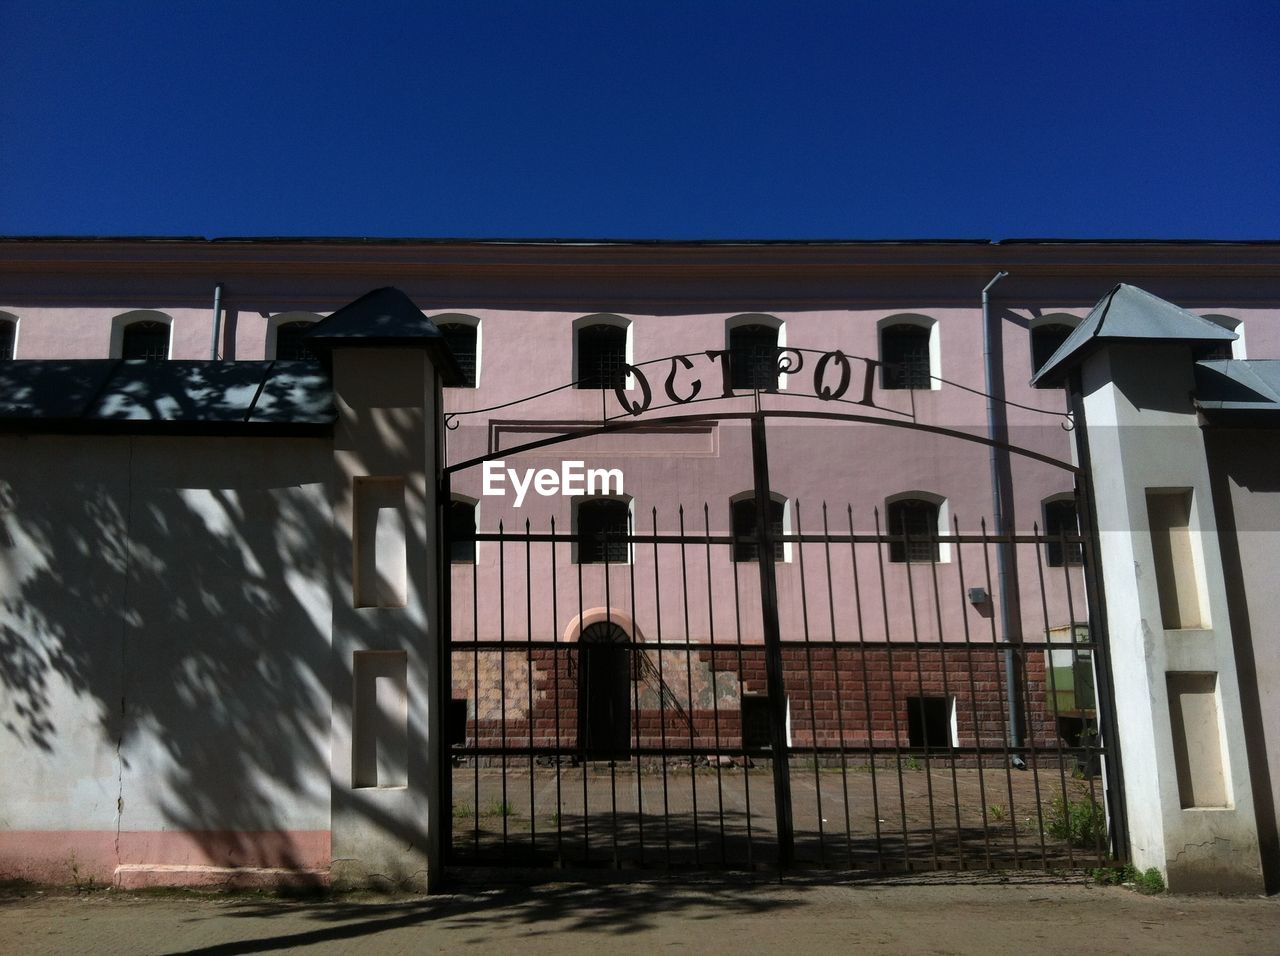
[(165, 648)]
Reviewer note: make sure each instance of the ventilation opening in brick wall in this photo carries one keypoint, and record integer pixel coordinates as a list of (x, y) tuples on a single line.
[(456, 722), (929, 722), (755, 721)]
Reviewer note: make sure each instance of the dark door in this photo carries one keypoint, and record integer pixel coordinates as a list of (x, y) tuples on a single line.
[(604, 693)]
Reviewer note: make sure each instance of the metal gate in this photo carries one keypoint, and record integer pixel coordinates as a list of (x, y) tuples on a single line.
[(869, 717)]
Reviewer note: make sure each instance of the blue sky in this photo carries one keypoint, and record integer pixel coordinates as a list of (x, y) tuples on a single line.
[(676, 120)]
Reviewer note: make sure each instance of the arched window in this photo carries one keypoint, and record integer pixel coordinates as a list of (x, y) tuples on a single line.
[(1225, 350), (147, 340), (742, 516), (904, 351), (1046, 339), (602, 356), (603, 526), (462, 530), (604, 692), (291, 344), (1060, 518), (461, 339), (753, 357), (8, 338), (915, 522)]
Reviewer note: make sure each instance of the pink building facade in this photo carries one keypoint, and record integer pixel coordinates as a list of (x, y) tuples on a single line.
[(924, 427)]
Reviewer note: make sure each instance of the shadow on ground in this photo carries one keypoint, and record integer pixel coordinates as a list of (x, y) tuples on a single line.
[(611, 904)]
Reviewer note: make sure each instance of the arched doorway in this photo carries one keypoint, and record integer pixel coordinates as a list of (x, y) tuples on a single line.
[(604, 692)]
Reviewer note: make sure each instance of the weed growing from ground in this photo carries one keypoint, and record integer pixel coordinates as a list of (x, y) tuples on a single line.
[(1148, 882), (1081, 822)]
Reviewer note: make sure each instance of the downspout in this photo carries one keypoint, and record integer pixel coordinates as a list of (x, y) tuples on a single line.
[(997, 506), (217, 322)]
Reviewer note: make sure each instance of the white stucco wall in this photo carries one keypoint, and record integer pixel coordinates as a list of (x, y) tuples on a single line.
[(165, 620), (1245, 463), (1143, 434)]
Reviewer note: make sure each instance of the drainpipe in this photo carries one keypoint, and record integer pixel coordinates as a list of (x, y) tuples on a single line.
[(217, 321), (997, 506)]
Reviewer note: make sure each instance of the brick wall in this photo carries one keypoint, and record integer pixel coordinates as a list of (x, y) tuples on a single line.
[(858, 695)]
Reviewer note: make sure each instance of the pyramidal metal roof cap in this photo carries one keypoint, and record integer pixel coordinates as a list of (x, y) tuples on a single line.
[(384, 318), (1238, 384), (1128, 313)]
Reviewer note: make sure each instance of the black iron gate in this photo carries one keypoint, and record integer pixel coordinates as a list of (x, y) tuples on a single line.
[(876, 721)]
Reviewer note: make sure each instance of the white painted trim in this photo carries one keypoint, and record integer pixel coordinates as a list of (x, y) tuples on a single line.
[(759, 318), (1044, 520), (462, 318), (944, 520), (1231, 324), (788, 519), (631, 529), (125, 319), (1054, 318), (935, 343), (1039, 321), (284, 318), (17, 328), (603, 318), (475, 503)]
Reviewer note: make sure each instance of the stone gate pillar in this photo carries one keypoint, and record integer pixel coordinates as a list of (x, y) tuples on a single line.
[(388, 364), (1178, 712)]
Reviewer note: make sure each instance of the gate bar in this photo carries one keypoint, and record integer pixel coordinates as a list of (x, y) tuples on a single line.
[(773, 645)]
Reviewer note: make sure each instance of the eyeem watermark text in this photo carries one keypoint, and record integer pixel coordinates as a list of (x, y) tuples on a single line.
[(573, 479)]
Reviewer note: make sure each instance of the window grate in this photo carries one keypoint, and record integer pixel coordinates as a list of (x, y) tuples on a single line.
[(461, 340), (603, 531), (743, 517), (148, 341), (904, 350), (753, 357), (1045, 340), (462, 531), (602, 357), (291, 344), (917, 519), (1060, 519)]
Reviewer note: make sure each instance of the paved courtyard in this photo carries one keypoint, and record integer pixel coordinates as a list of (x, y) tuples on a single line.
[(924, 818)]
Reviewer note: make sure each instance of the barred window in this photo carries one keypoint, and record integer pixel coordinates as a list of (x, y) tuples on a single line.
[(904, 350), (461, 339), (1060, 518), (917, 520), (1045, 340), (462, 529), (753, 357), (147, 340), (291, 345), (8, 335), (746, 546), (602, 357), (603, 527)]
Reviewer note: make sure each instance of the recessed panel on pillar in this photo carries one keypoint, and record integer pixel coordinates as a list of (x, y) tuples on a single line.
[(1176, 562), (381, 562), (1195, 720), (380, 743)]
